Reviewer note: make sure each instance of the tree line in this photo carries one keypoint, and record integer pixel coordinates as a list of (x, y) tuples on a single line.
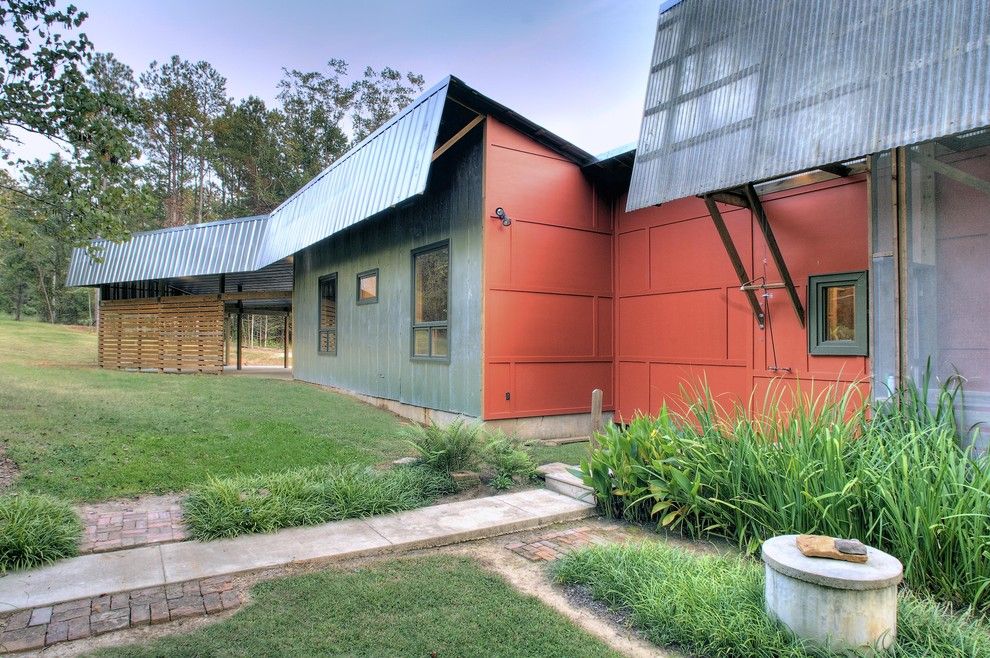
[(163, 147)]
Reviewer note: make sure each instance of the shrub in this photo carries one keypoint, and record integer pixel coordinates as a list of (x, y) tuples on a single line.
[(461, 447), (900, 482), (509, 462), (713, 605), (446, 448), (238, 505), (35, 530)]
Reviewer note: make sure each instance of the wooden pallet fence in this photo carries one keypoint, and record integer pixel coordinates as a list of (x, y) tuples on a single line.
[(178, 334)]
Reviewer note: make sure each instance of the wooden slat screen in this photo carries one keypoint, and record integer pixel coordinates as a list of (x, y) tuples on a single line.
[(182, 334)]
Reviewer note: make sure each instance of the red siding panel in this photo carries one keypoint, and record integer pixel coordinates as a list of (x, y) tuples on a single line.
[(548, 282), (634, 266), (559, 259), (540, 324), (545, 389), (684, 320)]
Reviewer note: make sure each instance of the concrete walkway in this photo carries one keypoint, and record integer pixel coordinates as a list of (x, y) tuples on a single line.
[(151, 566)]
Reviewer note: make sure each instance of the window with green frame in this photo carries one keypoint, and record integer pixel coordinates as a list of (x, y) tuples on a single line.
[(367, 287), (328, 315), (838, 314), (431, 302)]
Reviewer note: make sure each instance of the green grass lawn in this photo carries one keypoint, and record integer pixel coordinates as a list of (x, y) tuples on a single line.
[(410, 607), (82, 433), (571, 453), (86, 434)]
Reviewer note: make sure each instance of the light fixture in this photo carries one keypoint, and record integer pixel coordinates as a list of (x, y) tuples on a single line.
[(500, 213)]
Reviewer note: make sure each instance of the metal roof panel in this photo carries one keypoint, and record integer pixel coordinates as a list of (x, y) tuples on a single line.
[(212, 248), (749, 90), (388, 167)]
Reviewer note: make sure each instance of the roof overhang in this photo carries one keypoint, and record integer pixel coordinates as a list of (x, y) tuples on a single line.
[(752, 90), (221, 247), (391, 166)]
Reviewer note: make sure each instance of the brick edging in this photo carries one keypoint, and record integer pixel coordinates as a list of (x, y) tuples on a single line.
[(550, 547), (36, 628)]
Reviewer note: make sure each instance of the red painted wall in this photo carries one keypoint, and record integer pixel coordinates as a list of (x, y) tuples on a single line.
[(680, 315), (547, 282)]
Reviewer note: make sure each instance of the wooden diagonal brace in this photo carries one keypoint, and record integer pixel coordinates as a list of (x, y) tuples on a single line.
[(778, 259), (951, 172), (457, 137), (737, 264)]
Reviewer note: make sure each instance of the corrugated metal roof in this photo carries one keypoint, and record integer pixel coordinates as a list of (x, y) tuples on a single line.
[(388, 167), (213, 248), (748, 90)]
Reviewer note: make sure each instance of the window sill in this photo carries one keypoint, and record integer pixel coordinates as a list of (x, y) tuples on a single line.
[(431, 359)]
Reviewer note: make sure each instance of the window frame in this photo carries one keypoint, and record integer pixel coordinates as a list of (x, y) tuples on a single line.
[(357, 293), (413, 325), (818, 345), (320, 329)]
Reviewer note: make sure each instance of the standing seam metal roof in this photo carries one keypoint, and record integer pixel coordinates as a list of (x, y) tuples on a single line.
[(388, 167), (221, 247)]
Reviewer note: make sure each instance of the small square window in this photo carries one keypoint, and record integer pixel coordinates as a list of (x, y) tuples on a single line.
[(838, 321), (367, 287)]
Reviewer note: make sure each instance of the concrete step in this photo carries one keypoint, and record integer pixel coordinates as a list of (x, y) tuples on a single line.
[(559, 478)]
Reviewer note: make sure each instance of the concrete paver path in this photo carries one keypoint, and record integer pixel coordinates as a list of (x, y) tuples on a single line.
[(151, 566)]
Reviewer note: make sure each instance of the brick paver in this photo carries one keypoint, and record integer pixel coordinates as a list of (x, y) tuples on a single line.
[(552, 546), (110, 528), (27, 630)]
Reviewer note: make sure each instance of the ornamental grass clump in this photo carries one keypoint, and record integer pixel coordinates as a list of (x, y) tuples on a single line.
[(36, 530), (899, 480), (712, 605), (227, 507)]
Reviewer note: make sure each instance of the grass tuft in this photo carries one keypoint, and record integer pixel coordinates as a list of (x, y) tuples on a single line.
[(36, 530), (458, 446), (713, 606), (227, 507)]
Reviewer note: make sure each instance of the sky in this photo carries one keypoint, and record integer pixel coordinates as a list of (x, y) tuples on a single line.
[(576, 67)]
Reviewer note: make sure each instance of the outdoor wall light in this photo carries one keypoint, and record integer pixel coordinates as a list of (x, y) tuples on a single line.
[(501, 215)]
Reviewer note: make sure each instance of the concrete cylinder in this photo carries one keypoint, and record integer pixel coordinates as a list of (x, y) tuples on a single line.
[(844, 604)]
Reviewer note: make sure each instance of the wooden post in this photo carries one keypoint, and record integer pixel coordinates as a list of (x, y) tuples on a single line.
[(240, 329), (285, 341), (596, 414)]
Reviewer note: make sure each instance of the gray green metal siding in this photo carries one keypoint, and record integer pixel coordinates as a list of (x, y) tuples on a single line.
[(373, 340)]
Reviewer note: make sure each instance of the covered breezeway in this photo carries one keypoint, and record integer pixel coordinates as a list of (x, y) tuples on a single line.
[(189, 333), (181, 299)]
